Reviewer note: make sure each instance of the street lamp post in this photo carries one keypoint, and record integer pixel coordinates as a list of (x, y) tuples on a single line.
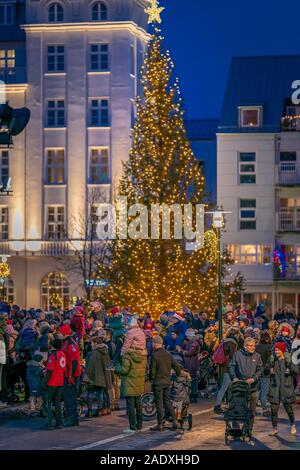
[(218, 224)]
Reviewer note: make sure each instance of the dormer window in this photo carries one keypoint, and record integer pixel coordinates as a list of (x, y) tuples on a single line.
[(250, 116), (56, 13), (99, 11)]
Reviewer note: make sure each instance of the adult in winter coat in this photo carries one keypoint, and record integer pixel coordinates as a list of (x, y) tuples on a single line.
[(230, 345), (190, 352), (264, 348), (162, 362), (135, 338), (78, 325), (133, 372), (247, 365), (3, 361), (99, 377), (296, 356), (27, 340), (282, 388)]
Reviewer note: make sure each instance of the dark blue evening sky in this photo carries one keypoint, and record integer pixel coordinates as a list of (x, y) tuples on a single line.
[(203, 35)]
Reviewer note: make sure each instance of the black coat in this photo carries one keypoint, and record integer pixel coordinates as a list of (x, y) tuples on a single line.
[(282, 386), (162, 362), (265, 351)]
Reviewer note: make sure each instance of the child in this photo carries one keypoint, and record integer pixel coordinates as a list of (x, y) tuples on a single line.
[(285, 334), (34, 378), (180, 395), (116, 324)]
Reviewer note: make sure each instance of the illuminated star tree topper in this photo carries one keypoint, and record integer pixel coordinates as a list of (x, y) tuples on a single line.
[(154, 12)]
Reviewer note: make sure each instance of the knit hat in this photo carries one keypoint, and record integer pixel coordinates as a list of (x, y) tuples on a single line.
[(79, 310), (115, 310), (65, 330), (281, 347), (245, 320), (158, 340), (178, 316), (190, 333)]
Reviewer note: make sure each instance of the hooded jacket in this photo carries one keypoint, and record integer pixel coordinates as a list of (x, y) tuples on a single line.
[(97, 372), (135, 338), (282, 388), (133, 373)]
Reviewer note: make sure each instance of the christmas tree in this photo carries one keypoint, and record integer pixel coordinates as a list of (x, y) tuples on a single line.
[(159, 275)]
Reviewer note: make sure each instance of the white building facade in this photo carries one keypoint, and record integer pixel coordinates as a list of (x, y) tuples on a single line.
[(258, 154), (79, 80)]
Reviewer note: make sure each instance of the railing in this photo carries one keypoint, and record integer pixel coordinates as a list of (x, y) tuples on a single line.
[(290, 124), (288, 275), (55, 248), (288, 174), (289, 220), (4, 248)]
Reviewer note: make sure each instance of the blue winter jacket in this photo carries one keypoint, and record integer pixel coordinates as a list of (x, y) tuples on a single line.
[(34, 378), (181, 328)]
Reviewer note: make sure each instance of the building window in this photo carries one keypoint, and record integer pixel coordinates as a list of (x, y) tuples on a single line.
[(99, 112), (55, 168), (99, 57), (251, 254), (55, 292), (247, 168), (55, 13), (56, 113), (99, 166), (8, 65), (56, 58), (99, 12), (3, 223), (6, 15), (247, 214), (250, 116), (55, 223), (4, 166)]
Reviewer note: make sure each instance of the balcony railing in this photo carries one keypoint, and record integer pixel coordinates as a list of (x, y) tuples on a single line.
[(288, 220), (290, 124), (55, 248), (288, 174), (288, 275)]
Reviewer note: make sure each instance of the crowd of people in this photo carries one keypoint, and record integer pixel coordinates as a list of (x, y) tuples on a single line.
[(118, 354)]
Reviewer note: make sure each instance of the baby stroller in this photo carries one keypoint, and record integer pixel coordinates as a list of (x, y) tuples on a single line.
[(238, 414), (206, 374)]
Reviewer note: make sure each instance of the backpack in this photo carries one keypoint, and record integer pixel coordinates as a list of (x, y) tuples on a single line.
[(219, 358)]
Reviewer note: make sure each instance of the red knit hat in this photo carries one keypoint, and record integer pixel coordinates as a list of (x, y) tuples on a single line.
[(285, 329), (281, 347), (65, 330), (115, 310)]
